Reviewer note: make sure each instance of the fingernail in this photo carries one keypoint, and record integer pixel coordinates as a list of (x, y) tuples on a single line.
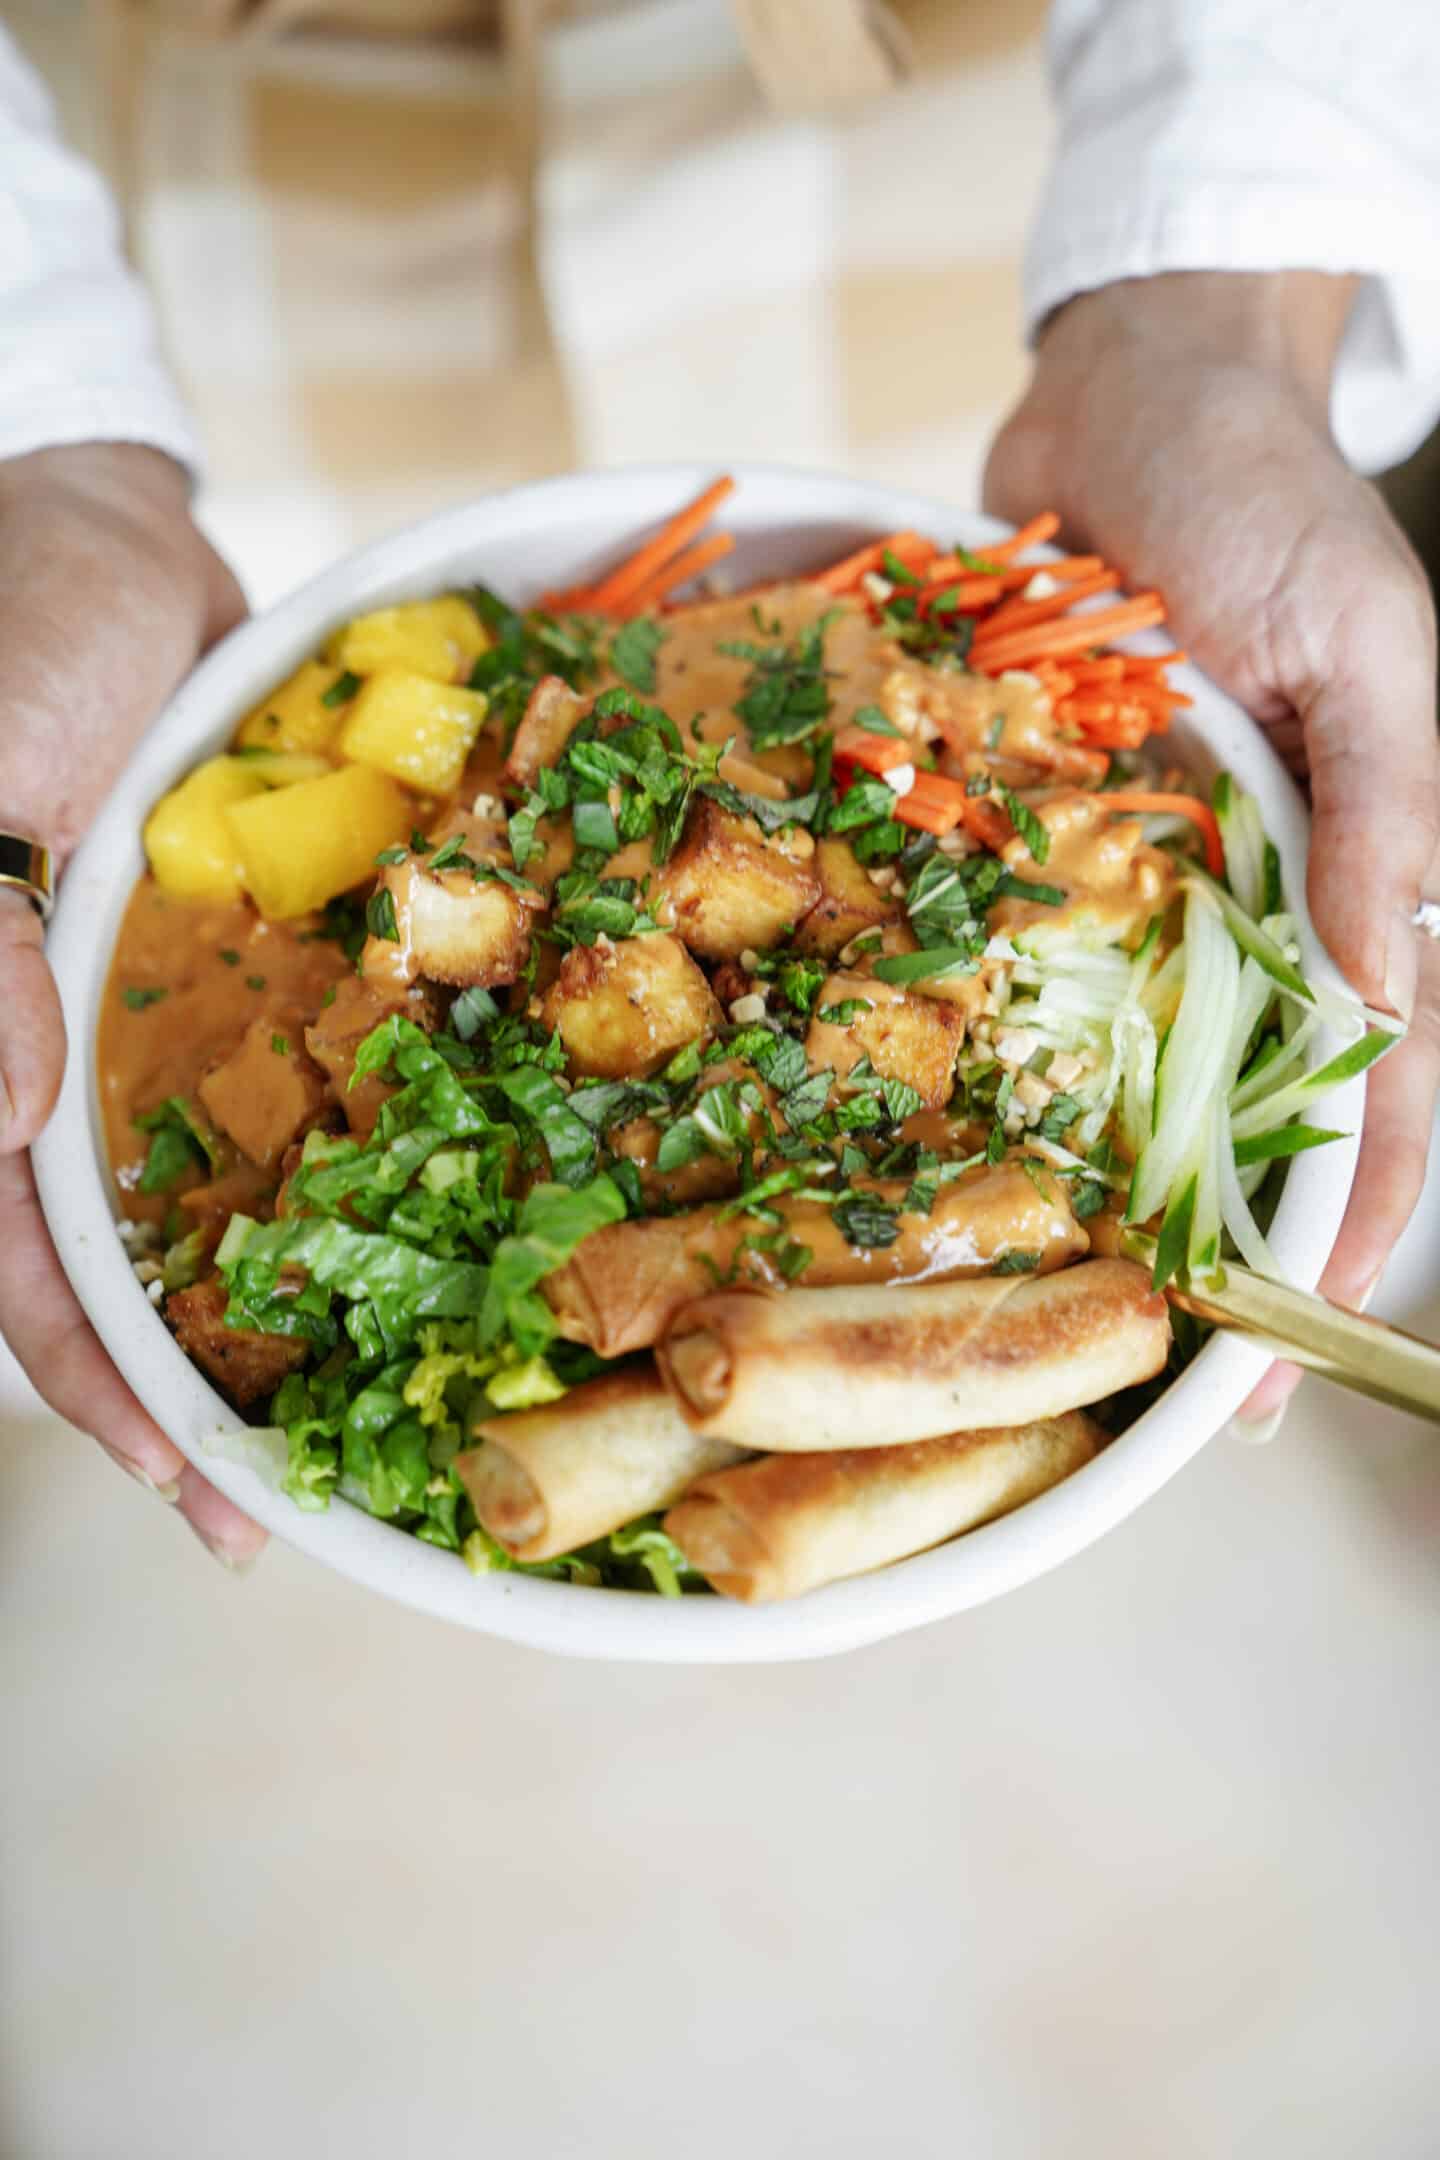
[(1402, 965), (169, 1492), (1256, 1432), (233, 1563)]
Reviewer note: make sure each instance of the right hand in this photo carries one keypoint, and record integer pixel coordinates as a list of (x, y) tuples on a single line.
[(108, 596)]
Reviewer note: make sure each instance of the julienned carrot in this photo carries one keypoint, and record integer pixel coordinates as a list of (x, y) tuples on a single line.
[(877, 753), (672, 538), (1019, 614), (1186, 806), (934, 804), (1038, 530), (910, 548), (1056, 640), (987, 821), (1096, 671), (1152, 663), (958, 592), (702, 556)]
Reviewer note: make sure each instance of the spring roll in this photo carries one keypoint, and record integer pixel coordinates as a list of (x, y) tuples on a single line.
[(786, 1523), (544, 1481), (626, 1282), (874, 1366)]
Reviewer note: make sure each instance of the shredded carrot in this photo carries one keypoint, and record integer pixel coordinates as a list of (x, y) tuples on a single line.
[(701, 557), (987, 821), (1019, 614), (1057, 682), (877, 753), (1038, 530), (1186, 806), (1097, 671), (934, 804), (1152, 663), (965, 593), (1058, 640), (910, 548), (673, 537)]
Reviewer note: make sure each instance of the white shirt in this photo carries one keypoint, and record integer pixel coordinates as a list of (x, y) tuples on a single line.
[(79, 357), (1259, 135), (1194, 134)]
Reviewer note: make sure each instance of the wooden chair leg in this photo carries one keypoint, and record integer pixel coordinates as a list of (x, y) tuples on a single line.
[(121, 44)]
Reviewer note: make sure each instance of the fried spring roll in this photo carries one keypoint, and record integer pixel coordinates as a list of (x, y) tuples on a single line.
[(875, 1366), (545, 1481), (626, 1282), (787, 1523)]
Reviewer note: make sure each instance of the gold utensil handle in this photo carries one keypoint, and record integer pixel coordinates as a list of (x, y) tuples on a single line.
[(1364, 1355)]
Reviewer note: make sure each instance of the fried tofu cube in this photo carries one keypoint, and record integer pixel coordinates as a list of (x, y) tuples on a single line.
[(451, 926), (905, 1037), (188, 838), (623, 1009), (297, 716), (439, 638), (338, 1029), (300, 846), (267, 1091), (550, 719), (242, 1361), (849, 903), (727, 887), (417, 730)]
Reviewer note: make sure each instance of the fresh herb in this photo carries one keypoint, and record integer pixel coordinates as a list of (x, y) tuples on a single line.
[(842, 1014), (875, 722), (1030, 828), (1015, 1262), (786, 694), (1060, 1114), (390, 855), (255, 982), (341, 690), (229, 955), (473, 1009), (928, 966), (994, 732), (280, 1044), (180, 1140), (380, 916), (138, 1000), (633, 651), (865, 1219)]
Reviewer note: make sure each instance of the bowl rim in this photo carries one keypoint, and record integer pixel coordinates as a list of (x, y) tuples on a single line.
[(772, 504)]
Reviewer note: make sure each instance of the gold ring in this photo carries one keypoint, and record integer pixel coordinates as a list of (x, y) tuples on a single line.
[(25, 867)]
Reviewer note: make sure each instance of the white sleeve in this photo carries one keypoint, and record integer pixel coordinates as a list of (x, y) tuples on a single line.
[(79, 360), (1223, 135)]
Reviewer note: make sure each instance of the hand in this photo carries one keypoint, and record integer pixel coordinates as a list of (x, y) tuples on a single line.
[(108, 596), (1179, 425)]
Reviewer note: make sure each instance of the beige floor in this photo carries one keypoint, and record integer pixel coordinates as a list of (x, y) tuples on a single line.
[(1137, 1863)]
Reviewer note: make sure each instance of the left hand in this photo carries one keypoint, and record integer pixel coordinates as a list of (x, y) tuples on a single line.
[(1179, 424)]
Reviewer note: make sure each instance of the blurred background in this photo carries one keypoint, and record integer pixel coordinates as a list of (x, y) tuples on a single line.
[(1137, 1862)]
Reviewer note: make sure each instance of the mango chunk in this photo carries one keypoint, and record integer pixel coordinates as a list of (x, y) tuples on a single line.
[(282, 768), (296, 716), (188, 838), (417, 730), (300, 846), (440, 638)]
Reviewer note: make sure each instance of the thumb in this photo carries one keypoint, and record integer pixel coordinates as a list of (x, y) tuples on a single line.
[(32, 1030), (1374, 763)]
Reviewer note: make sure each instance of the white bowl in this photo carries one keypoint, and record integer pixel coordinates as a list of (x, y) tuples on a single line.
[(556, 533)]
